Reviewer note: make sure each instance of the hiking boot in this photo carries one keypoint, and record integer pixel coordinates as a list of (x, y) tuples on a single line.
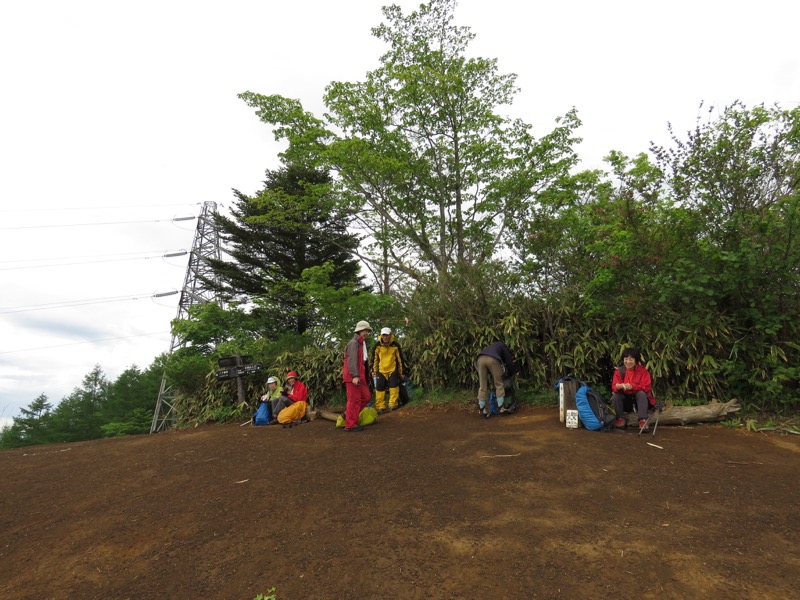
[(643, 425), (383, 411), (395, 407), (486, 411), (356, 428), (620, 423)]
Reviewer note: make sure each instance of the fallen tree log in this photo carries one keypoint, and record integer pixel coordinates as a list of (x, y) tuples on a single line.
[(328, 415), (682, 415)]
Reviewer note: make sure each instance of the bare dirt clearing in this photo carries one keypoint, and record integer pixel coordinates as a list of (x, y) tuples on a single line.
[(425, 504)]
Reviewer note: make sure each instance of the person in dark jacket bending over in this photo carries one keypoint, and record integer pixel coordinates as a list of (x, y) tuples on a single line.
[(495, 359)]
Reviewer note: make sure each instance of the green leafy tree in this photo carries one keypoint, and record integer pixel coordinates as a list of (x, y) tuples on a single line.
[(433, 173), (735, 182), (337, 309), (554, 253), (210, 325)]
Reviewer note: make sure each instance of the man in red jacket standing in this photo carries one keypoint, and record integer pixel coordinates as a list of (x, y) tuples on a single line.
[(355, 376)]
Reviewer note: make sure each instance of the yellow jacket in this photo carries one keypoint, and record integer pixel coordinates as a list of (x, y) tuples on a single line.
[(387, 358)]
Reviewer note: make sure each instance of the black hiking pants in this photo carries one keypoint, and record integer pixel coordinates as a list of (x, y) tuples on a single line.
[(622, 403)]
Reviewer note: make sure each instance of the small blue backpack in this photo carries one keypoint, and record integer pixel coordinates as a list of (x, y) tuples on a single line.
[(263, 415)]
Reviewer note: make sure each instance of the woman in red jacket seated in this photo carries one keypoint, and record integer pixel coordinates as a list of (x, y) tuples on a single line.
[(293, 404), (631, 385)]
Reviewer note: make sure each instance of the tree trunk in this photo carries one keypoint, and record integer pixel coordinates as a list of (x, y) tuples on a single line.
[(328, 415), (681, 415)]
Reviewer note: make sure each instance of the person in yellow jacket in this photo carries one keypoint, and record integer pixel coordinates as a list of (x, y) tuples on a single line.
[(388, 370)]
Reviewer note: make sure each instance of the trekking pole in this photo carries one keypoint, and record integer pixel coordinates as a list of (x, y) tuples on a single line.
[(658, 414)]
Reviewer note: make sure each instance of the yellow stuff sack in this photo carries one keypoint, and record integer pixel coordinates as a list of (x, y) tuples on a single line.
[(293, 412), (367, 416)]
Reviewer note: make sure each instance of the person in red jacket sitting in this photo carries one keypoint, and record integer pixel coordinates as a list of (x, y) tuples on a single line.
[(631, 385), (293, 403)]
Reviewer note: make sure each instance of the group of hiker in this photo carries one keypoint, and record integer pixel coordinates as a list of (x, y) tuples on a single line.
[(387, 367), (287, 404), (631, 385)]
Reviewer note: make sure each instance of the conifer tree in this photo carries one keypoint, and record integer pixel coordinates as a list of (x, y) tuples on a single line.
[(292, 224)]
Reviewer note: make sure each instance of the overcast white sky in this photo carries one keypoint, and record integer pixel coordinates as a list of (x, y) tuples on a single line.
[(117, 117)]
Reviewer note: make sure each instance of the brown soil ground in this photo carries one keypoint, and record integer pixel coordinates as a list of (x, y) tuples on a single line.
[(427, 503)]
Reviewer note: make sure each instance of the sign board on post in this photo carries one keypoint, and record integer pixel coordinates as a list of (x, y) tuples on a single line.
[(223, 374), (247, 369), (235, 367), (233, 372)]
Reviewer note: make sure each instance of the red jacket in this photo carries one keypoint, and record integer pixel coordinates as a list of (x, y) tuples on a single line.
[(354, 361), (640, 380), (299, 392)]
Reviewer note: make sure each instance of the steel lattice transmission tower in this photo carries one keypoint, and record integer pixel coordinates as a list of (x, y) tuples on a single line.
[(205, 246)]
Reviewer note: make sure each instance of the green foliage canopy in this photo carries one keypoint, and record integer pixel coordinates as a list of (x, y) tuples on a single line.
[(426, 164)]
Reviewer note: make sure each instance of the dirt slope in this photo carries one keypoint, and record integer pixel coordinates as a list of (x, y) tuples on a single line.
[(423, 505)]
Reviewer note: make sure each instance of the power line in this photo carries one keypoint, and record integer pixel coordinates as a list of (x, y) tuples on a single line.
[(173, 220), (16, 260), (57, 208), (84, 342), (92, 262), (72, 303)]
